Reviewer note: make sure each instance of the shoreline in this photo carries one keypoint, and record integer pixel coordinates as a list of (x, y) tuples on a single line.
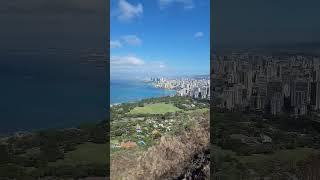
[(135, 101), (140, 99)]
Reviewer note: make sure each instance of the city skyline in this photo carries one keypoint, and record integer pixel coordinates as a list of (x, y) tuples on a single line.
[(272, 84), (159, 38)]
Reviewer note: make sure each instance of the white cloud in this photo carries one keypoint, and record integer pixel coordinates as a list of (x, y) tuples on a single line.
[(115, 44), (198, 34), (129, 11), (132, 65), (187, 4), (126, 61), (132, 40)]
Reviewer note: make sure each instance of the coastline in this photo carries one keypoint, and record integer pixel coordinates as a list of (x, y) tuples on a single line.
[(171, 92), (117, 104)]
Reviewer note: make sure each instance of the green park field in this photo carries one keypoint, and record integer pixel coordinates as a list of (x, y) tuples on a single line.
[(157, 108)]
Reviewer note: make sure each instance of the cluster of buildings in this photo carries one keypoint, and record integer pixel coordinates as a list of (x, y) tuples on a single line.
[(272, 84), (198, 88)]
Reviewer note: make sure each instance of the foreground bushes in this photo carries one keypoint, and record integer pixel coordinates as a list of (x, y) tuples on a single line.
[(171, 156)]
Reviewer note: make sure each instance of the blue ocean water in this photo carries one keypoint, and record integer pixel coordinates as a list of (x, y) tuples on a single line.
[(128, 91), (49, 91)]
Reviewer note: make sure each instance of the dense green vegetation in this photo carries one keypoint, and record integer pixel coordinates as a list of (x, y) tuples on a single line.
[(248, 145), (146, 121), (183, 103), (138, 127), (76, 152), (82, 151)]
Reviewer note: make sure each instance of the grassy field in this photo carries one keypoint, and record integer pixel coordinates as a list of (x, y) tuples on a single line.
[(202, 110), (86, 153), (157, 108)]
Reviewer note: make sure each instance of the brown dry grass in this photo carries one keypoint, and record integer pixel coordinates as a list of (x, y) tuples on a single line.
[(167, 159), (121, 162)]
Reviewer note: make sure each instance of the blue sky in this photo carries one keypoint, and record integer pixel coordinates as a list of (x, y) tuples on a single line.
[(159, 38)]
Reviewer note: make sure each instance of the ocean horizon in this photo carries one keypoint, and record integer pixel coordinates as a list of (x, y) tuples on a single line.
[(125, 91)]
